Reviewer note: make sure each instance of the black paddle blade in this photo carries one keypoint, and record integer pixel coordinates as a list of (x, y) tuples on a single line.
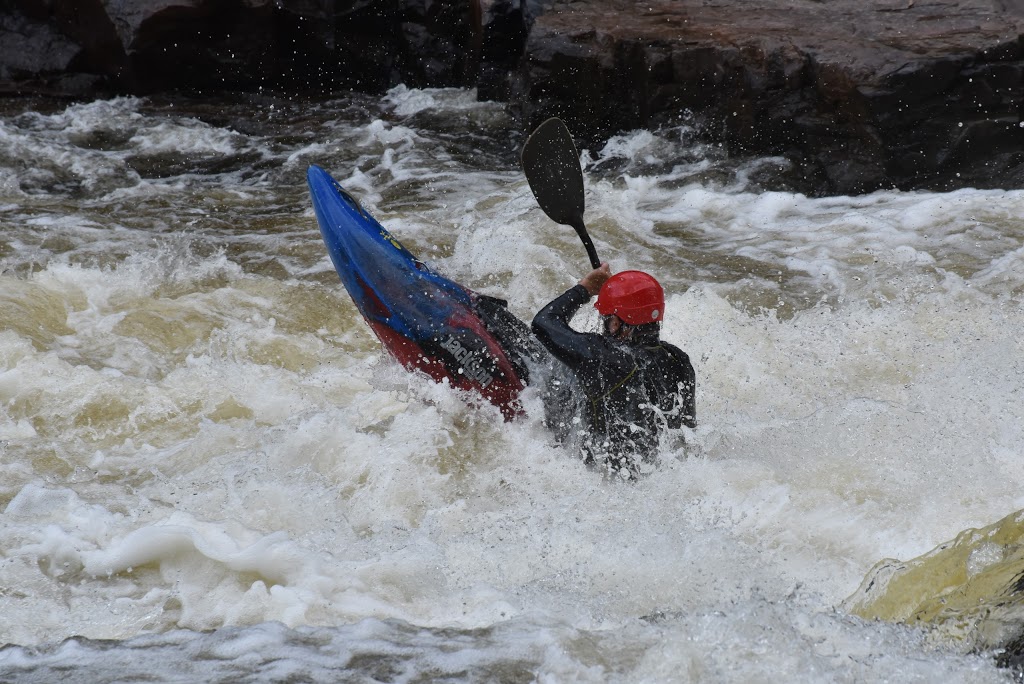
[(552, 167)]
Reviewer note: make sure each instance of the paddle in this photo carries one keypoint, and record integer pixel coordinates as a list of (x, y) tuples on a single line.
[(552, 168)]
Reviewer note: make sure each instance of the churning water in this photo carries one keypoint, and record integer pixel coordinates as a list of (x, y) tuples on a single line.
[(210, 472)]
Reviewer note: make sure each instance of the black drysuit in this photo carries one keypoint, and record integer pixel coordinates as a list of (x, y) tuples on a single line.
[(632, 389)]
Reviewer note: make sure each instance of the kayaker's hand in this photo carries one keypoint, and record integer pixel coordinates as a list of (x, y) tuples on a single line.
[(593, 281)]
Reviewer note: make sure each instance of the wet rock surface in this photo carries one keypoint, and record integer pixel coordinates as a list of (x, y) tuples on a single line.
[(860, 95), (857, 94), (295, 46)]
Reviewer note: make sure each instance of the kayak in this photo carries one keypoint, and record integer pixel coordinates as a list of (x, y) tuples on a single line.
[(425, 321)]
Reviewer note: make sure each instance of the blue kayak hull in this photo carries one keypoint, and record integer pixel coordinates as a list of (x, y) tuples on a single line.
[(425, 321)]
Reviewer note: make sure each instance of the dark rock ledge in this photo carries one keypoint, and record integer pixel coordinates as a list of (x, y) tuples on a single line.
[(859, 94), (863, 94)]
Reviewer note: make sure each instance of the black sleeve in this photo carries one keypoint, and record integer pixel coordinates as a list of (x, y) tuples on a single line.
[(686, 384), (551, 326), (595, 360)]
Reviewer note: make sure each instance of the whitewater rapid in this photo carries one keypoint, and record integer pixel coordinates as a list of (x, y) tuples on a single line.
[(206, 458)]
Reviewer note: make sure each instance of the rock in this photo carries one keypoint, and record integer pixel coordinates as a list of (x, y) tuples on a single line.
[(436, 43), (503, 28), (860, 94), (295, 46), (36, 52), (969, 589)]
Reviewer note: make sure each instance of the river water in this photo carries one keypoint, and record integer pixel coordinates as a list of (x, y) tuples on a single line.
[(210, 472)]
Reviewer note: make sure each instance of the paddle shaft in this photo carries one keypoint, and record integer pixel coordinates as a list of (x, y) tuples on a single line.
[(581, 230)]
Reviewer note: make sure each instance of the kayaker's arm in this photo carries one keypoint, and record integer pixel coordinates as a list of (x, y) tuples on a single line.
[(551, 326)]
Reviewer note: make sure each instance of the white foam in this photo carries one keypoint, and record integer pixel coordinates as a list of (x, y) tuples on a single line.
[(190, 441), (407, 101)]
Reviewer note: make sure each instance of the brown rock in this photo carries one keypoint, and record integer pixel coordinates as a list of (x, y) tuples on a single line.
[(862, 94)]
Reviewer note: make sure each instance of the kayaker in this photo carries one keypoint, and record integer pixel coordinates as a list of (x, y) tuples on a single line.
[(633, 384)]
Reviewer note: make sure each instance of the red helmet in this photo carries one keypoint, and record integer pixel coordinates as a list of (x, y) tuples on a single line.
[(633, 296)]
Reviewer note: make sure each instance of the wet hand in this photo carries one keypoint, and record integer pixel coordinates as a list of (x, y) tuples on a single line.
[(593, 281)]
